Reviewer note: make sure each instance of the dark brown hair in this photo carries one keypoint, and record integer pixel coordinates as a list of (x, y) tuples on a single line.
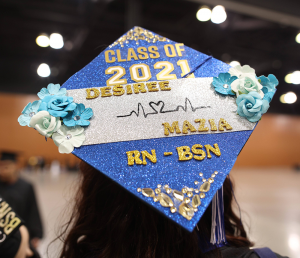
[(115, 224)]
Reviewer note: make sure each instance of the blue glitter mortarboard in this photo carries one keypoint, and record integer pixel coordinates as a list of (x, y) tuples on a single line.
[(169, 121)]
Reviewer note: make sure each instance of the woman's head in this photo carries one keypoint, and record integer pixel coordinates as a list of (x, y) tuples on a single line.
[(117, 224)]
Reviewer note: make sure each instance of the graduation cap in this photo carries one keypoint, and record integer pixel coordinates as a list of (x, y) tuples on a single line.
[(163, 120)]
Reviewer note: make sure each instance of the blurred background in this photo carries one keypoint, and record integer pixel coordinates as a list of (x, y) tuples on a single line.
[(48, 41)]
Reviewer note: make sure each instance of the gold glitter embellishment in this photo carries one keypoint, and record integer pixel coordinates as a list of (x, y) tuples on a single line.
[(168, 153), (196, 201), (168, 190), (156, 198), (197, 149), (170, 129), (202, 195), (186, 211), (188, 126), (173, 209), (184, 190), (139, 87), (151, 157), (185, 202), (118, 90), (133, 157), (165, 200), (214, 150), (184, 153), (189, 194), (164, 85), (178, 195), (95, 92), (213, 126), (137, 34), (223, 123), (105, 91), (205, 187), (202, 127), (148, 192)]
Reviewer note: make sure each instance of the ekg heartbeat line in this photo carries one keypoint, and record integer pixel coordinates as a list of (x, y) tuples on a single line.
[(160, 106)]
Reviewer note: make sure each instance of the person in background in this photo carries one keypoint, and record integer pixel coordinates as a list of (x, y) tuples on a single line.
[(14, 236), (17, 246), (20, 195)]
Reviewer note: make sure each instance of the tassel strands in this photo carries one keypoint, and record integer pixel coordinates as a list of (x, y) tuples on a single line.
[(217, 226)]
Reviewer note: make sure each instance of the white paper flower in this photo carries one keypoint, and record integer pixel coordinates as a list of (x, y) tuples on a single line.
[(242, 71), (44, 123), (66, 138), (247, 81), (246, 85)]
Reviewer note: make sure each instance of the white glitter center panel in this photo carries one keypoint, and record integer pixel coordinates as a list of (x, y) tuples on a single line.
[(141, 116)]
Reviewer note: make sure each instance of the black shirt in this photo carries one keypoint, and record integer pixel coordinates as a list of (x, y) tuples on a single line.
[(21, 198)]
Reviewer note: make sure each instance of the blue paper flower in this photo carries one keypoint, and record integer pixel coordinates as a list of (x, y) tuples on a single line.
[(57, 106), (251, 106), (269, 86), (28, 112), (79, 116), (52, 89), (222, 83), (269, 82), (268, 95)]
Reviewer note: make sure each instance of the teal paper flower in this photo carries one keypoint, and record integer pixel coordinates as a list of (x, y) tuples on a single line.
[(251, 106), (222, 83), (57, 106), (52, 89), (79, 116), (269, 86), (28, 112)]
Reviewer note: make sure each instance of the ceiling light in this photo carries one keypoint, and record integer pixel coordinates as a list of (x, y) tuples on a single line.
[(43, 41), (234, 63), (56, 41), (43, 70), (288, 78), (282, 99), (298, 38), (290, 98), (203, 14), (295, 77), (218, 14)]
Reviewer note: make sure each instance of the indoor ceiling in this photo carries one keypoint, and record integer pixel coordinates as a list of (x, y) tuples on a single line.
[(88, 27)]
